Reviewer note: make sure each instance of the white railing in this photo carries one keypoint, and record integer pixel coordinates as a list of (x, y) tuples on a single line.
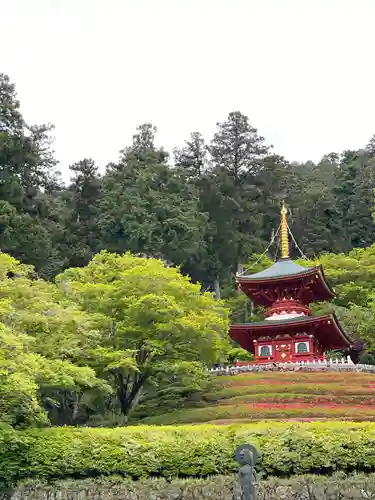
[(341, 364)]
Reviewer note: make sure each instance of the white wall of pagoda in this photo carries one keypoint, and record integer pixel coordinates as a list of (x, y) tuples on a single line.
[(284, 315)]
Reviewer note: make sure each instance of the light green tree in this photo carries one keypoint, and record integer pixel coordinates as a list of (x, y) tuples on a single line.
[(151, 316), (43, 341)]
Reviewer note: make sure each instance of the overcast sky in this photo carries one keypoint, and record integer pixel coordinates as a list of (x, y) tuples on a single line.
[(302, 70)]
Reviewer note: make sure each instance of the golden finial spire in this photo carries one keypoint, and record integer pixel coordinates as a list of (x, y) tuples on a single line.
[(284, 234)]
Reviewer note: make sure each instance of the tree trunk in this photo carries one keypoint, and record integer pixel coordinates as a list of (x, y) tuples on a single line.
[(217, 288), (128, 398)]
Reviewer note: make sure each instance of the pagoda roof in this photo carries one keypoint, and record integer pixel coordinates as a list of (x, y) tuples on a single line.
[(326, 329), (281, 273), (280, 269)]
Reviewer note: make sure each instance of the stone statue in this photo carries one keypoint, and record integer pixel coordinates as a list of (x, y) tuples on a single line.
[(248, 480)]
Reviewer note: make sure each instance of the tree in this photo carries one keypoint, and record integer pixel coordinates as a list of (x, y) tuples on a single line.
[(353, 190), (147, 207), (370, 148), (151, 316), (143, 142), (173, 385), (236, 146), (82, 199), (352, 275), (28, 177), (273, 183), (26, 158), (229, 194), (193, 156), (43, 338), (19, 404)]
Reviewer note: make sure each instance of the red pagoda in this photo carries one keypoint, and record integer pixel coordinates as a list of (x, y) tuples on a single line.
[(289, 332)]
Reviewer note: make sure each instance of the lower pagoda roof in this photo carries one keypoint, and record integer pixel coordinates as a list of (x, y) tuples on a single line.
[(326, 329)]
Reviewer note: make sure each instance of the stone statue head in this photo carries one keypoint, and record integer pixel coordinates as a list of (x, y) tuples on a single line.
[(247, 454), (246, 457)]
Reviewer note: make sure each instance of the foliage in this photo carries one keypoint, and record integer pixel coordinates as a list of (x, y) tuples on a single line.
[(43, 337), (190, 451), (210, 213), (149, 315), (80, 216), (148, 208), (174, 385), (28, 176), (121, 331), (216, 206)]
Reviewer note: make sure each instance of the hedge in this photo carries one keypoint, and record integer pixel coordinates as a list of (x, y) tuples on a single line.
[(184, 451), (318, 389), (326, 376), (321, 399), (281, 411), (213, 488)]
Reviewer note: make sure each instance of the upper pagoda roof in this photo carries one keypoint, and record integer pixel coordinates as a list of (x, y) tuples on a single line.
[(312, 281), (280, 269), (285, 273)]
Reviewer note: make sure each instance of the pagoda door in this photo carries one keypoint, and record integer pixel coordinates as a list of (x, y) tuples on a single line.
[(283, 351)]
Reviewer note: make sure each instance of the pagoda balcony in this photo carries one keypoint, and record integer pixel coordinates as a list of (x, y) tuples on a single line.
[(287, 308)]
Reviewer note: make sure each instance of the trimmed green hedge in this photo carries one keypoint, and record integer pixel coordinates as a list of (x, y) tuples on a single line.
[(185, 451)]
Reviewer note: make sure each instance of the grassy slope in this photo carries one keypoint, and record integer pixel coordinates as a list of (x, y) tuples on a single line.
[(291, 395)]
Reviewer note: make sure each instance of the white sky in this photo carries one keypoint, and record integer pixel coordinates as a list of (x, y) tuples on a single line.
[(303, 71)]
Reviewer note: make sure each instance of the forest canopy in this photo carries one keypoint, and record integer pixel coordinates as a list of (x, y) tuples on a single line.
[(207, 208)]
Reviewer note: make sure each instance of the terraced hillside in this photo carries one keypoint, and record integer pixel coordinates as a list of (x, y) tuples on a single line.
[(279, 395)]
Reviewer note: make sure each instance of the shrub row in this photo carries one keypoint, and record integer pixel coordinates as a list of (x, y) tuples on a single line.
[(296, 377), (342, 390), (184, 451), (214, 488), (257, 412), (322, 399)]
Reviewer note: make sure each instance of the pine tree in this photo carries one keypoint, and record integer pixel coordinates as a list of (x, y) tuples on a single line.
[(28, 177), (193, 156), (236, 146), (353, 187), (148, 207), (83, 197)]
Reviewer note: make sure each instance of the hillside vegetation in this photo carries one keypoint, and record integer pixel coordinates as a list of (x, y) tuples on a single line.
[(277, 395), (95, 332)]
